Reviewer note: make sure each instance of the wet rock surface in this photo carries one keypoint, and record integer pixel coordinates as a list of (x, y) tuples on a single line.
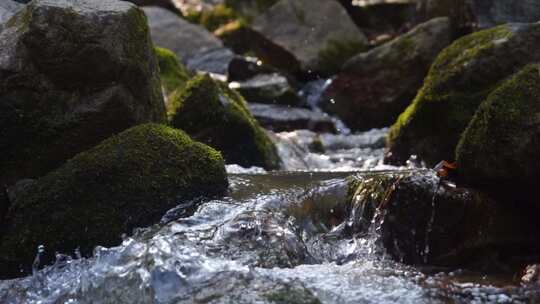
[(424, 221), (8, 8), (128, 181), (373, 88), (204, 52), (328, 35), (72, 74), (284, 118)]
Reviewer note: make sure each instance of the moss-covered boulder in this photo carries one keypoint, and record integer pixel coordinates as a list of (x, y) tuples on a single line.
[(174, 74), (128, 181), (71, 75), (462, 76), (320, 39), (212, 113), (424, 221), (373, 88), (501, 145)]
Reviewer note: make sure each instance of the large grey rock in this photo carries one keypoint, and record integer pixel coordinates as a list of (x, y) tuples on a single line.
[(8, 8), (493, 12), (320, 37), (72, 73), (194, 45), (375, 87)]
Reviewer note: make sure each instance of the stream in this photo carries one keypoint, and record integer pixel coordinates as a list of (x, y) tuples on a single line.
[(278, 237)]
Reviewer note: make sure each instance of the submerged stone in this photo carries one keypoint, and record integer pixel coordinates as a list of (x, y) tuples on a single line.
[(128, 181), (72, 73), (460, 79), (214, 114), (373, 88)]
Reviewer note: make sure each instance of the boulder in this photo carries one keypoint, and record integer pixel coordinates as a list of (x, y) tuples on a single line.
[(267, 88), (373, 88), (459, 12), (319, 39), (502, 142), (8, 8), (421, 220), (462, 76), (214, 114), (280, 118), (489, 13), (72, 73), (197, 48), (129, 180), (174, 74)]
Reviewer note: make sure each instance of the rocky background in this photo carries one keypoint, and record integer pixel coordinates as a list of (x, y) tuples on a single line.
[(112, 111)]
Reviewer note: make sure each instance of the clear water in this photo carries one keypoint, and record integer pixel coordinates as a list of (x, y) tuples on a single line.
[(277, 238)]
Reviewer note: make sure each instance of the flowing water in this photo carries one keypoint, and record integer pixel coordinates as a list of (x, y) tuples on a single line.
[(281, 237)]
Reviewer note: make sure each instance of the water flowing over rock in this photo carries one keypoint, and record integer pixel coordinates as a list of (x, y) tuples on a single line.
[(72, 73), (424, 221), (319, 39), (460, 79), (128, 181), (195, 46), (502, 142), (373, 88), (284, 118), (494, 12), (214, 114)]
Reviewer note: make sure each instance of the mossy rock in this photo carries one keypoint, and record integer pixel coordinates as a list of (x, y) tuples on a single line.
[(502, 143), (72, 74), (423, 221), (128, 181), (213, 18), (214, 114), (174, 74), (462, 76)]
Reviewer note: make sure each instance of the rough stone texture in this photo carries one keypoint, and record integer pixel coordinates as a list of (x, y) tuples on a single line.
[(214, 114), (494, 12), (72, 73), (267, 88), (375, 87), (197, 48), (502, 143), (422, 222), (128, 181), (460, 79), (320, 39), (284, 118), (8, 8)]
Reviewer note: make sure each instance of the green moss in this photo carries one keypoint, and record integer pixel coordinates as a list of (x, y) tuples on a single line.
[(129, 180), (332, 58), (214, 18), (290, 295), (502, 142), (442, 109), (173, 74), (218, 116)]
